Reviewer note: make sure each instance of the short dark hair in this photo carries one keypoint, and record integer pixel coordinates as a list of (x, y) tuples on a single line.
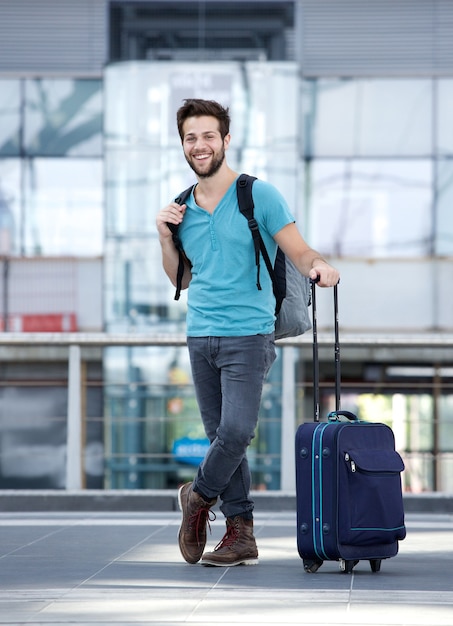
[(195, 107)]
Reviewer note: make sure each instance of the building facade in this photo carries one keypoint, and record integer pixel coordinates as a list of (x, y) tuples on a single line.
[(344, 105)]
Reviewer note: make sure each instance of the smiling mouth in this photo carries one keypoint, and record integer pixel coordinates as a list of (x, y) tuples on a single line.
[(200, 157)]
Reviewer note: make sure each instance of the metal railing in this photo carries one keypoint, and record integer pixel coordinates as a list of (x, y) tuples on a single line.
[(429, 347)]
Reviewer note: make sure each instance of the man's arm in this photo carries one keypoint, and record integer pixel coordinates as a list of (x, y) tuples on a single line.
[(308, 261), (173, 214)]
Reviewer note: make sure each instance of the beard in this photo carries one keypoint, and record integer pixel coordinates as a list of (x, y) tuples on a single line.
[(216, 164)]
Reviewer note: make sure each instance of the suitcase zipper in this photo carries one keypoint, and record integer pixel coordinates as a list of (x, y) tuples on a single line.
[(348, 459), (372, 472)]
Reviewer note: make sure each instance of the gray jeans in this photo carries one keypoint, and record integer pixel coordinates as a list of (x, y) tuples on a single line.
[(228, 374)]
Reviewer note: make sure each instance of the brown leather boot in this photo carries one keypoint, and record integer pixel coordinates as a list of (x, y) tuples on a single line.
[(195, 518), (237, 547)]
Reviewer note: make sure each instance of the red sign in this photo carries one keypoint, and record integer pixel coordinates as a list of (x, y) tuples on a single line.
[(44, 323)]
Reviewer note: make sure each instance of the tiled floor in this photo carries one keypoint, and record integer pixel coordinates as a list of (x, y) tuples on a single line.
[(119, 568)]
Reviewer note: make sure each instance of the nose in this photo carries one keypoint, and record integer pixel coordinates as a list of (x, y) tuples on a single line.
[(199, 143)]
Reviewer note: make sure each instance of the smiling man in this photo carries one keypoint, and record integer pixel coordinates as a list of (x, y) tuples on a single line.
[(230, 324)]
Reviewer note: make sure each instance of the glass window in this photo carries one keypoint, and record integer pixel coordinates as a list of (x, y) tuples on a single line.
[(281, 168), (64, 207), (63, 117), (142, 100), (139, 182), (137, 291), (446, 423), (267, 113), (10, 206), (345, 117), (445, 118), (444, 221), (9, 117), (371, 208)]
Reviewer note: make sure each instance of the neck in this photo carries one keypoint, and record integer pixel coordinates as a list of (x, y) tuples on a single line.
[(218, 183), (209, 191)]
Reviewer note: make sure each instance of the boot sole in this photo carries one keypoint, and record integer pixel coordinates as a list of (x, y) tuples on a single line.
[(179, 498), (239, 562)]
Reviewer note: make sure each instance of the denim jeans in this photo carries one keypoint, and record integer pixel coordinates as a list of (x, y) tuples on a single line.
[(228, 374)]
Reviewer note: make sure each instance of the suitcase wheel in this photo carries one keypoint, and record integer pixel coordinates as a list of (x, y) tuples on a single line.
[(312, 565), (347, 566), (375, 565)]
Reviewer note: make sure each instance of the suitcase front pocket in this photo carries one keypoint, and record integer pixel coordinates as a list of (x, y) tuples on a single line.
[(372, 512)]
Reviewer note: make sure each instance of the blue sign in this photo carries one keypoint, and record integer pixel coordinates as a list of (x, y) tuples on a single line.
[(191, 451)]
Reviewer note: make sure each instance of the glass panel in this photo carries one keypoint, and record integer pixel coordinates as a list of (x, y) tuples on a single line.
[(445, 119), (64, 207), (418, 476), (138, 294), (10, 206), (371, 208), (150, 404), (152, 418), (139, 182), (444, 220), (446, 473), (409, 416), (34, 400), (268, 89), (63, 117), (281, 168), (344, 117), (33, 448), (446, 423), (9, 117), (142, 100)]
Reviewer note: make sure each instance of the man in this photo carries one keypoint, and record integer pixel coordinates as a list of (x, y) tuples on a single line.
[(229, 324)]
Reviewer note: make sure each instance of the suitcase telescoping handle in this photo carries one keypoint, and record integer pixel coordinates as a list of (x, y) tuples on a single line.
[(338, 412)]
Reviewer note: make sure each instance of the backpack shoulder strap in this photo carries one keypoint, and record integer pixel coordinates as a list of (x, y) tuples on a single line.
[(181, 199), (184, 195), (246, 206)]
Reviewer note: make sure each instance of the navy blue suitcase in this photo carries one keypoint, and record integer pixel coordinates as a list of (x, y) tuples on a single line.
[(348, 483)]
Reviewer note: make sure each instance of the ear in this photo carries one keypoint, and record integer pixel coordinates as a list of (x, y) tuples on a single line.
[(226, 141)]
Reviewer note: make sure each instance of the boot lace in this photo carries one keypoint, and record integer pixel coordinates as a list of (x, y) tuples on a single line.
[(228, 539), (200, 518)]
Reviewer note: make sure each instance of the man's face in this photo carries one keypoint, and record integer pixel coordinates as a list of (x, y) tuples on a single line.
[(203, 145)]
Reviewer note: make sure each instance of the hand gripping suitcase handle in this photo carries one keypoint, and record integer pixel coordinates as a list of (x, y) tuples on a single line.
[(316, 356)]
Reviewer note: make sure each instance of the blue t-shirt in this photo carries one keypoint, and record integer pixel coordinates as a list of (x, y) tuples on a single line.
[(223, 299)]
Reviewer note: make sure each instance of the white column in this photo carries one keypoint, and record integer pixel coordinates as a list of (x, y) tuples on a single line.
[(288, 467), (74, 424)]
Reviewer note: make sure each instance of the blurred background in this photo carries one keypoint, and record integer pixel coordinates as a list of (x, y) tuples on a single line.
[(345, 105)]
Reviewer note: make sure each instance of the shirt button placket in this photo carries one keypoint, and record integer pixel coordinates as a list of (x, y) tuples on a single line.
[(213, 234)]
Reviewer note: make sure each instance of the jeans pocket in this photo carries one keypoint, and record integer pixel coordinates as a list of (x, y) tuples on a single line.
[(269, 353)]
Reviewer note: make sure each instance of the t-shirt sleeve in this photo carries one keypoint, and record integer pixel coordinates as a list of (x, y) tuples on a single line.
[(271, 209)]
